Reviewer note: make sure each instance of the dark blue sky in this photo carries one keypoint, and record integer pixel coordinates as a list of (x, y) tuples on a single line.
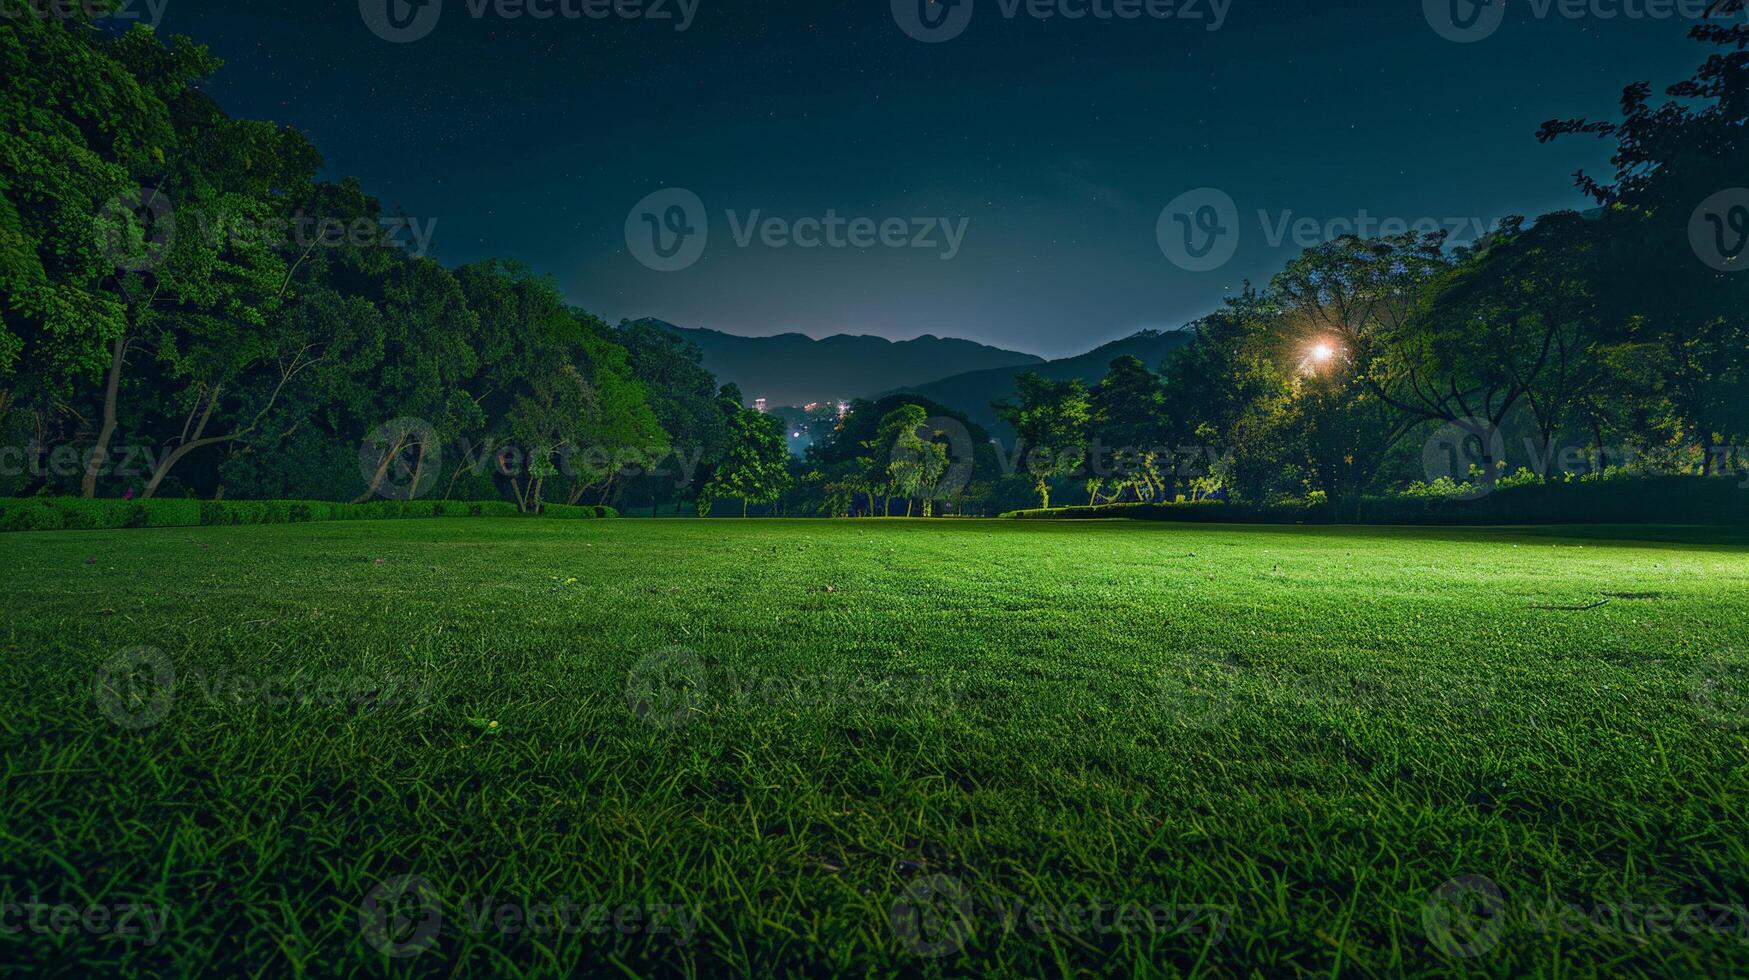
[(1058, 141)]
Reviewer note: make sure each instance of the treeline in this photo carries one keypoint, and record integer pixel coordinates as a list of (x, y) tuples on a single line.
[(1608, 344), (186, 310), (1578, 347)]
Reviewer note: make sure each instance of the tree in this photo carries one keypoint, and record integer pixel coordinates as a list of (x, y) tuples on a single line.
[(756, 466), (909, 464), (1669, 160), (1127, 431), (682, 394), (1339, 315), (1050, 419)]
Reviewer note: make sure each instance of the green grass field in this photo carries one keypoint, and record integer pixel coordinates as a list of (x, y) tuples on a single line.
[(874, 747)]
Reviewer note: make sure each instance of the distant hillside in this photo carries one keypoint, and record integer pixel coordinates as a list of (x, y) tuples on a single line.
[(792, 369), (973, 392)]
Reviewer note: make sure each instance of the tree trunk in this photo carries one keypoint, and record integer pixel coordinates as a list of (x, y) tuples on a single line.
[(743, 506), (418, 468), (100, 452), (376, 479), (190, 442)]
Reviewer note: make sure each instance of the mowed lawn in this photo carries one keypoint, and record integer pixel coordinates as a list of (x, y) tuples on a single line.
[(874, 747)]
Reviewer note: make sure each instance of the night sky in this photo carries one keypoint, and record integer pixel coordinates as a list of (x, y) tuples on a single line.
[(1060, 141)]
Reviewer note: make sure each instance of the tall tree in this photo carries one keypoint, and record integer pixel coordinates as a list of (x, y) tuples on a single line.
[(1050, 419), (1127, 431)]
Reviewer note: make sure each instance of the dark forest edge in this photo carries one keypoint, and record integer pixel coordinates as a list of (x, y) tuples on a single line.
[(188, 313), (79, 514), (1652, 500)]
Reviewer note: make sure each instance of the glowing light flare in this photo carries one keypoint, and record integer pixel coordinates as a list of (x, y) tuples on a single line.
[(1319, 354)]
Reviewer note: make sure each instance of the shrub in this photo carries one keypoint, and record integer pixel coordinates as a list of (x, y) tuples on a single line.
[(567, 512), (29, 516), (1652, 500), (74, 513)]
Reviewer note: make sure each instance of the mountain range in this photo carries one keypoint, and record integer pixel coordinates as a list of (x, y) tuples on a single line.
[(794, 369), (974, 391)]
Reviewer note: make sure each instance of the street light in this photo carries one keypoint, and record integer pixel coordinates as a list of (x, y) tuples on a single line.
[(1319, 353)]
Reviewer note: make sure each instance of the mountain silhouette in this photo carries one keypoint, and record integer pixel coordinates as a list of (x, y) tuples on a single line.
[(974, 391), (793, 369)]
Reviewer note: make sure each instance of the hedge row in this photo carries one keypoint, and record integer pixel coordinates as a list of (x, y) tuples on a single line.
[(74, 513), (1718, 501)]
